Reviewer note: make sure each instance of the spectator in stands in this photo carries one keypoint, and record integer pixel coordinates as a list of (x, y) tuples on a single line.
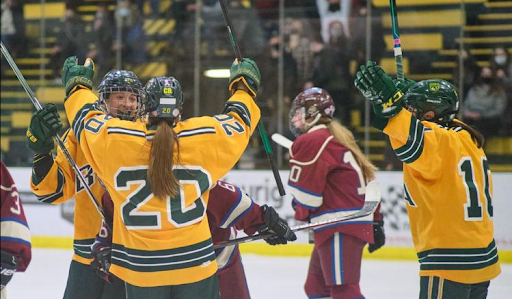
[(332, 71), (269, 89), (470, 71), (13, 26), (485, 103), (182, 11), (358, 35), (133, 44), (501, 63), (249, 30), (298, 44), (70, 41), (331, 11), (102, 36)]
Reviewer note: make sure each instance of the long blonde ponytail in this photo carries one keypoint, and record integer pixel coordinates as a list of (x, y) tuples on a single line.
[(161, 159), (344, 137)]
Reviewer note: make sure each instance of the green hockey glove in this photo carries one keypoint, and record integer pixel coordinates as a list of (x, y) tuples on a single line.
[(76, 76), (44, 125), (405, 85), (247, 72), (379, 88)]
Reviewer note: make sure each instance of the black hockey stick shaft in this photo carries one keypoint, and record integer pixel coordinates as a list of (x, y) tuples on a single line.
[(372, 201), (261, 127), (38, 106), (396, 41)]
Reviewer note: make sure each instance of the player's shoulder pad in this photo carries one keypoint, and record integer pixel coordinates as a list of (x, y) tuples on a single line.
[(225, 191), (308, 145)]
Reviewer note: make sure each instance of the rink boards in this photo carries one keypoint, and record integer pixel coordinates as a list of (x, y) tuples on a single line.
[(52, 227)]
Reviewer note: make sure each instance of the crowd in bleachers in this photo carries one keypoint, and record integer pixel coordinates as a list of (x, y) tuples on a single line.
[(323, 42)]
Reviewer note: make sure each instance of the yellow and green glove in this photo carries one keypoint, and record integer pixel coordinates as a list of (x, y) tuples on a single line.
[(246, 72), (75, 76), (384, 93), (44, 125)]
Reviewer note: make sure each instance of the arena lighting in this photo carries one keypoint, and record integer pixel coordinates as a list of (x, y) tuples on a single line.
[(217, 73)]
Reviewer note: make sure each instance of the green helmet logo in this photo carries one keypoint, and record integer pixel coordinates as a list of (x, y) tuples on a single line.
[(434, 86), (434, 95), (164, 98)]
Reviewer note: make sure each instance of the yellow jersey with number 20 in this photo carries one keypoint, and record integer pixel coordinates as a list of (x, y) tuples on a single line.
[(162, 241)]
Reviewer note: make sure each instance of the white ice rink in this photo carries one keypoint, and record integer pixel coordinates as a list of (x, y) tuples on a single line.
[(268, 278)]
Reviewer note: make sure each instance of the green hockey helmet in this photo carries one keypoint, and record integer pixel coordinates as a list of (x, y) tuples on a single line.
[(434, 95), (121, 94), (164, 98)]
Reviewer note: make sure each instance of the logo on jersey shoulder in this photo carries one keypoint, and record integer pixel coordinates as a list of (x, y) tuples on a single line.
[(434, 86), (88, 175)]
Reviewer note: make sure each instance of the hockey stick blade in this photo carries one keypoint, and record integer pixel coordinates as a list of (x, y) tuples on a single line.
[(282, 141), (372, 200)]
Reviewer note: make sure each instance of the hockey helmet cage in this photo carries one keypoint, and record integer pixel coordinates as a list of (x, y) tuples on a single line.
[(311, 104), (118, 81)]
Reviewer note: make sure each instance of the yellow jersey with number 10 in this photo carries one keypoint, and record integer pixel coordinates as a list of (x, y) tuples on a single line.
[(448, 192), (162, 241)]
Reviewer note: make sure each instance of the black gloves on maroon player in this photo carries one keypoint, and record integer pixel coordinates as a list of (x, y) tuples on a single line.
[(276, 226), (379, 238)]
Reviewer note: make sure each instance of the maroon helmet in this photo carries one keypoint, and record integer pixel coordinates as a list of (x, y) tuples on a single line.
[(310, 105)]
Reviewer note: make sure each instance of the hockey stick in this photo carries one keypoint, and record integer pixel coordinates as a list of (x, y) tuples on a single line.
[(371, 201), (38, 106), (282, 141), (396, 41), (261, 126)]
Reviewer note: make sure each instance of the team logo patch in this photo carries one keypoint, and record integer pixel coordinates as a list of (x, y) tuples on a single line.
[(434, 87), (168, 90)]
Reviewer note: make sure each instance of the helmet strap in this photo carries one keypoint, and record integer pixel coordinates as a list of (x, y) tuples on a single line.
[(309, 125)]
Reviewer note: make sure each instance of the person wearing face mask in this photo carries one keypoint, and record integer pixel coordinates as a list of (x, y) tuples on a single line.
[(485, 103), (500, 60), (103, 29), (332, 71), (333, 11), (133, 45)]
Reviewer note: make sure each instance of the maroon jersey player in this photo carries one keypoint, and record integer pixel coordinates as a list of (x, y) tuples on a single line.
[(328, 178), (15, 235), (229, 210)]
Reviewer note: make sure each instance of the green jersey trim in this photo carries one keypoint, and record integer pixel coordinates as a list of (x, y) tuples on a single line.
[(413, 149), (82, 248), (458, 259), (163, 260)]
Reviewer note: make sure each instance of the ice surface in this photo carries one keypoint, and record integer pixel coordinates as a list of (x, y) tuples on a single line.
[(268, 277)]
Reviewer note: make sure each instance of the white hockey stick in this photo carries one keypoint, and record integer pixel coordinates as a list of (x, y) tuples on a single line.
[(282, 141), (371, 201)]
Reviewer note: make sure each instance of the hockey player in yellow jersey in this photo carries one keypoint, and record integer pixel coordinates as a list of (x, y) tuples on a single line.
[(158, 175), (447, 182), (54, 181)]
